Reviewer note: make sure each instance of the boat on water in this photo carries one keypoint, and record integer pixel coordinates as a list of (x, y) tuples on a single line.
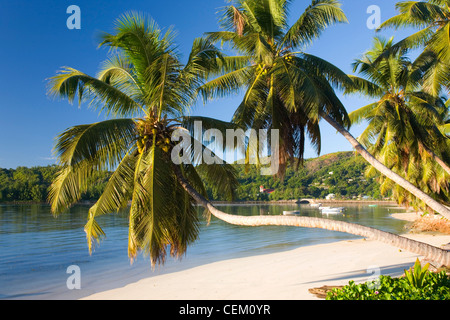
[(315, 205), (331, 210), (288, 213)]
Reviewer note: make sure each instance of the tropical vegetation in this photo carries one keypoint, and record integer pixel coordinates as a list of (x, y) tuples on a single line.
[(418, 283), (285, 87), (403, 123), (432, 19), (341, 173), (147, 91), (31, 184)]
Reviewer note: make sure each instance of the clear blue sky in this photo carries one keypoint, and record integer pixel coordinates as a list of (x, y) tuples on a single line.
[(36, 43)]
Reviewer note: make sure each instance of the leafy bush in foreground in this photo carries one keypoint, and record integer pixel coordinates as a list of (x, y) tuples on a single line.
[(417, 284)]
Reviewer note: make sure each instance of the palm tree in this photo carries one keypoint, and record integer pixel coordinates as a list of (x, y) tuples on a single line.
[(438, 255), (403, 124), (445, 127), (385, 171), (140, 86), (432, 18), (146, 91), (290, 91), (286, 88)]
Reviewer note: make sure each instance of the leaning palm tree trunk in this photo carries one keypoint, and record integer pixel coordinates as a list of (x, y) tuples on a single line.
[(430, 202), (440, 256)]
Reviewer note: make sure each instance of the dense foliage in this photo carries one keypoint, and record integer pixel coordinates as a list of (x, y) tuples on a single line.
[(31, 184), (403, 125), (417, 284), (341, 173), (148, 91), (313, 180)]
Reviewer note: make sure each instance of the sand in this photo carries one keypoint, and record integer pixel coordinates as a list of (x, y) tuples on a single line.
[(279, 276)]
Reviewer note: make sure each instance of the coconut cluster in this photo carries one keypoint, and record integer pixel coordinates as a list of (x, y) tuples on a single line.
[(150, 129)]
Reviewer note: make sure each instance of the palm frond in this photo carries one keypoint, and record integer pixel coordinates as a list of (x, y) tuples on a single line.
[(222, 178), (414, 41), (316, 18), (103, 144), (70, 83), (94, 233), (118, 72), (226, 84), (362, 113), (115, 196), (204, 124), (414, 14), (365, 87), (68, 187), (140, 39), (334, 75), (440, 43)]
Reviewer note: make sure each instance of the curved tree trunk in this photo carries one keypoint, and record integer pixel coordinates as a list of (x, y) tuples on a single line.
[(430, 202), (432, 253)]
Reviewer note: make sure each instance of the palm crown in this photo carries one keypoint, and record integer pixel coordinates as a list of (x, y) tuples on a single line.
[(432, 18), (285, 88), (403, 124), (146, 91)]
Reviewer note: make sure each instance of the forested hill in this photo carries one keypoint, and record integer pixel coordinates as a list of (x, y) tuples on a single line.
[(340, 173), (31, 184)]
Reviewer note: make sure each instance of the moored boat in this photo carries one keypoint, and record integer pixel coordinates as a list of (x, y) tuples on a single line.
[(286, 213), (330, 210)]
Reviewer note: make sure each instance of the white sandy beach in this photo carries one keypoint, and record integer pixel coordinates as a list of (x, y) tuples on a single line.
[(278, 276)]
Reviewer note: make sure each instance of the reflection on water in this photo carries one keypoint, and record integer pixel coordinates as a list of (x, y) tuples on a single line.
[(37, 248)]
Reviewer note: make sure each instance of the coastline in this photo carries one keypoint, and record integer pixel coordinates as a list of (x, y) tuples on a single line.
[(285, 275), (347, 201), (362, 202)]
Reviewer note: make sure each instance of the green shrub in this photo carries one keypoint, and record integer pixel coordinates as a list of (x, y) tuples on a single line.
[(417, 284)]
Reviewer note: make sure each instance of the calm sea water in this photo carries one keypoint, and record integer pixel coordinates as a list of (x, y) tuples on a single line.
[(37, 249)]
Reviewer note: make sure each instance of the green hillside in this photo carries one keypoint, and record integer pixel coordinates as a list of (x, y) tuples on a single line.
[(31, 184), (340, 173), (312, 180)]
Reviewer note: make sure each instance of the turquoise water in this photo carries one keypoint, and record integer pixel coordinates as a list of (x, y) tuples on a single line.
[(36, 249)]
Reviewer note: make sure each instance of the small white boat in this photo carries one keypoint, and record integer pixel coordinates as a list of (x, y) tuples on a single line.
[(333, 210), (324, 208), (315, 205), (287, 213)]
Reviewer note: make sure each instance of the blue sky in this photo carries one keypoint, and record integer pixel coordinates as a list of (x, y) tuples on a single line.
[(36, 43)]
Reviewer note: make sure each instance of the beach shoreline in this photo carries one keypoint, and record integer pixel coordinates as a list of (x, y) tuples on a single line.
[(298, 201), (287, 275)]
